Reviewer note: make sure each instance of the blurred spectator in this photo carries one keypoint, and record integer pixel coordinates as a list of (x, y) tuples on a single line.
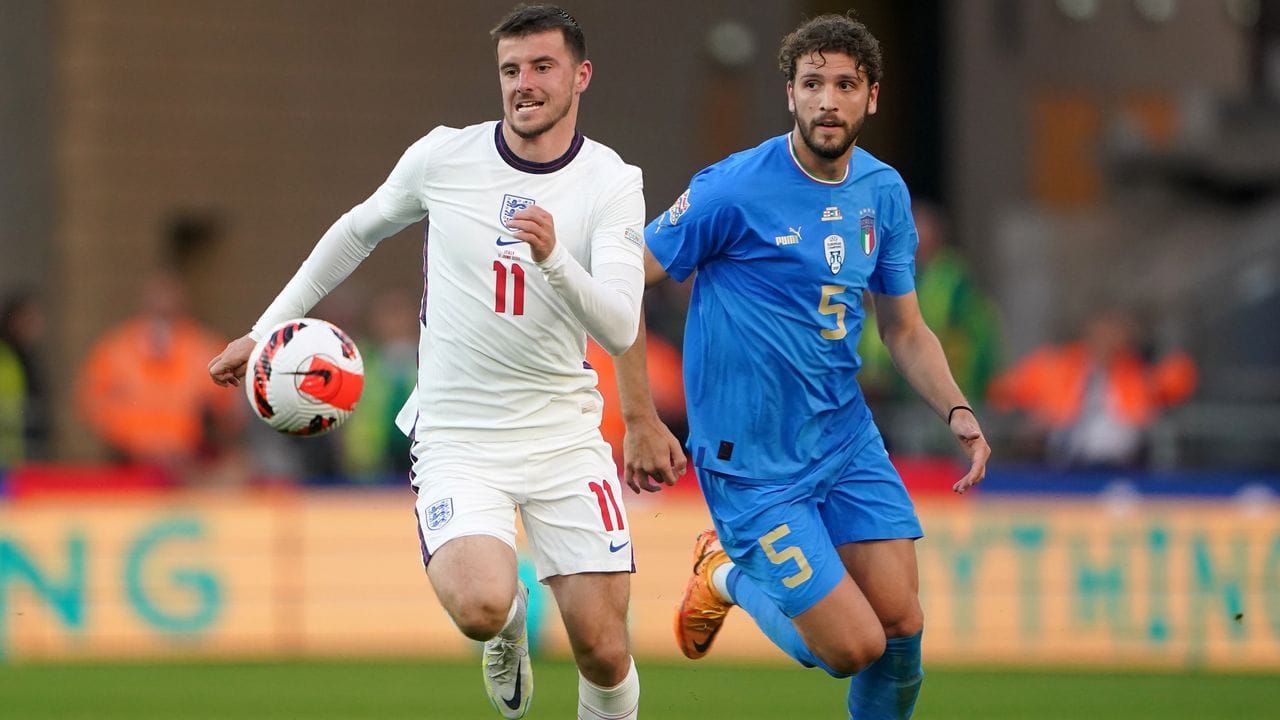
[(955, 308), (665, 378), (145, 390), (1094, 399), (24, 416), (373, 449)]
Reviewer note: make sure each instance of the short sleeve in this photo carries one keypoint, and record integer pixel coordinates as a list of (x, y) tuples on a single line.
[(895, 269), (687, 234)]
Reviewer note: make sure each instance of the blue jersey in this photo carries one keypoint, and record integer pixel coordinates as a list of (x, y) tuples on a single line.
[(782, 261)]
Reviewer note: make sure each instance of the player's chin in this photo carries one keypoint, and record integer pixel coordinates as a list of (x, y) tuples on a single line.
[(528, 127)]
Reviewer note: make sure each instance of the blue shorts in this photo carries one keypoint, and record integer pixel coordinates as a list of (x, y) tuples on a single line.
[(784, 535)]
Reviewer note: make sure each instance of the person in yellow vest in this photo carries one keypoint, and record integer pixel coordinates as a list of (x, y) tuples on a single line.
[(24, 416), (953, 304), (13, 393), (372, 449)]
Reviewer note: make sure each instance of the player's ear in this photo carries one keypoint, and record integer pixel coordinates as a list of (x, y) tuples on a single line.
[(872, 98), (582, 77), (791, 98)]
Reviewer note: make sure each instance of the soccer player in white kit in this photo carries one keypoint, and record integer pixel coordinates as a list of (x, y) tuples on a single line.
[(534, 238)]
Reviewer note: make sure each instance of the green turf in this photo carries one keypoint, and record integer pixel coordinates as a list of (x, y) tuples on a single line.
[(387, 690)]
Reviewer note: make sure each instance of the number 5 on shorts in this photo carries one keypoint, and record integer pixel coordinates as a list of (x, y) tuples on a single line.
[(792, 553)]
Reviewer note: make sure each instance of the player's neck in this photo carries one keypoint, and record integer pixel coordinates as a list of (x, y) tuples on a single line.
[(544, 147), (816, 166)]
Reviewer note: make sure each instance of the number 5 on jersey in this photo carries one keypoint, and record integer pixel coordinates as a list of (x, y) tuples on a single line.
[(500, 288), (826, 307)]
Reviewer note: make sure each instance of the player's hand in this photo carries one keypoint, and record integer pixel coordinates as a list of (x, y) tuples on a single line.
[(969, 434), (535, 226), (228, 367), (651, 455)]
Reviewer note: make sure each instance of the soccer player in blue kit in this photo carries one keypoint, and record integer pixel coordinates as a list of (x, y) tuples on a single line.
[(814, 530)]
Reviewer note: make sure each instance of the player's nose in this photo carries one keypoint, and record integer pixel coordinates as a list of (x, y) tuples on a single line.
[(525, 80), (827, 99)]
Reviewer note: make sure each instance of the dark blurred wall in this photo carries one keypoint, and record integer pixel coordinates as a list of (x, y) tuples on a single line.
[(1042, 103), (26, 129)]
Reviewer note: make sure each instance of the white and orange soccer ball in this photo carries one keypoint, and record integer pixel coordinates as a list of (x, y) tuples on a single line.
[(304, 377)]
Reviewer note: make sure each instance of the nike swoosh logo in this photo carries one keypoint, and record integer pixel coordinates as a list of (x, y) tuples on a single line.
[(500, 241), (615, 548), (701, 647), (514, 701)]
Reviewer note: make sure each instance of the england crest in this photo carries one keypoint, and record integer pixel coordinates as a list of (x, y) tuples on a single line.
[(833, 246), (439, 514), (512, 204)]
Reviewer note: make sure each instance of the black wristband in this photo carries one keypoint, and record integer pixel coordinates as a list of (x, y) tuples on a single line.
[(959, 407)]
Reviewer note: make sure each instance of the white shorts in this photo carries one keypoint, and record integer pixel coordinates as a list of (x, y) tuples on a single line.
[(566, 489)]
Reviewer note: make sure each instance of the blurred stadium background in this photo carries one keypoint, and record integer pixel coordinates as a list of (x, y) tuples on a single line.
[(1089, 154)]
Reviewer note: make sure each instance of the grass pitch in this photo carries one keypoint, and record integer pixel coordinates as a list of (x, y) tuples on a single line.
[(389, 690)]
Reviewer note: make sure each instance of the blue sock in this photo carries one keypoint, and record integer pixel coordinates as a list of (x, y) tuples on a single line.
[(775, 624), (888, 688)]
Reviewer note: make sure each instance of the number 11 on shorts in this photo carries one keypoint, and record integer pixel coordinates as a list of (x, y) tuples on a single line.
[(604, 496)]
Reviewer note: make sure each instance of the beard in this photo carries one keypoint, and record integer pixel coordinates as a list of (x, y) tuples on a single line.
[(554, 114), (834, 148)]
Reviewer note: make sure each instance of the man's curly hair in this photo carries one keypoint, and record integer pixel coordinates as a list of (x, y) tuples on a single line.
[(832, 33)]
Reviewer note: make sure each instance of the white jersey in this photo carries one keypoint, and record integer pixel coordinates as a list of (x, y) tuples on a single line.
[(503, 338)]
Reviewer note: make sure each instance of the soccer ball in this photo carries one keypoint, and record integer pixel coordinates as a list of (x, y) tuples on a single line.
[(305, 377)]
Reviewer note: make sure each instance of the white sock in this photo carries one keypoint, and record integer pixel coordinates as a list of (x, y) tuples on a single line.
[(515, 619), (720, 582), (621, 702)]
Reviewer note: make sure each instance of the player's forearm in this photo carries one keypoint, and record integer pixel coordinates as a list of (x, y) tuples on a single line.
[(607, 306), (635, 397), (338, 252), (919, 357)]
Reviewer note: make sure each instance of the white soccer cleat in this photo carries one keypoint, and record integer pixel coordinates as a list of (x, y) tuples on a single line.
[(508, 676)]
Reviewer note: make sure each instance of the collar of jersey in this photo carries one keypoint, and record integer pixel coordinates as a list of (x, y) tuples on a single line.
[(792, 151), (536, 168)]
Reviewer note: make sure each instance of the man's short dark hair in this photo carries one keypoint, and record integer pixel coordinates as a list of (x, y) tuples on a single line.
[(832, 33), (532, 19)]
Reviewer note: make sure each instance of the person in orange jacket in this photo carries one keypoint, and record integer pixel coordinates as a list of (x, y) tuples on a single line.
[(1095, 398), (144, 389)]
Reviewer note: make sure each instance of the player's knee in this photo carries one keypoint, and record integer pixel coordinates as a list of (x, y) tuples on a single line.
[(850, 657), (604, 661), (904, 624), (481, 619)]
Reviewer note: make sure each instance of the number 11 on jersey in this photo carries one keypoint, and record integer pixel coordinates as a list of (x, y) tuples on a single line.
[(500, 288)]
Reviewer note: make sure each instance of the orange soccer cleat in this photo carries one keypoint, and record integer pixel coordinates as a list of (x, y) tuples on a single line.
[(701, 612)]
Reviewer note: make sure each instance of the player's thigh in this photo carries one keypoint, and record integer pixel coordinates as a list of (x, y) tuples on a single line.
[(574, 514), (466, 524), (887, 574), (776, 537), (872, 521), (842, 628), (474, 572)]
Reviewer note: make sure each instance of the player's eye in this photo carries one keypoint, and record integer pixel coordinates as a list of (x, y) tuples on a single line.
[(544, 68)]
